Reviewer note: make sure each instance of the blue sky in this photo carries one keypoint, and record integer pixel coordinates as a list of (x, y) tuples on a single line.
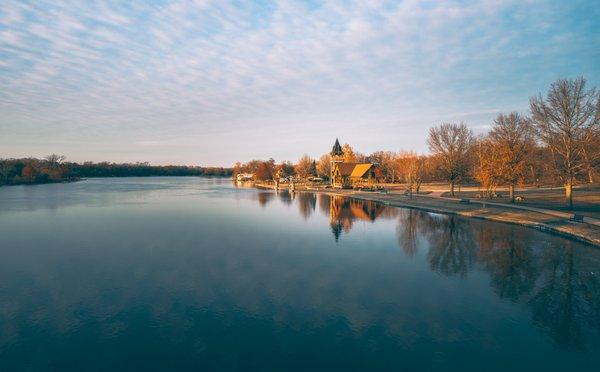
[(213, 82)]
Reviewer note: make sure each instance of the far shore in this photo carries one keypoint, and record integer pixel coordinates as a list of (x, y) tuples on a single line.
[(555, 222)]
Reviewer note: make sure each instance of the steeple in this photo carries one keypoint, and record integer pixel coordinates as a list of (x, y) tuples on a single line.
[(337, 157), (337, 149)]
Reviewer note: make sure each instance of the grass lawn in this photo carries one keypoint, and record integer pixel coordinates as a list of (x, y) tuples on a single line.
[(586, 199)]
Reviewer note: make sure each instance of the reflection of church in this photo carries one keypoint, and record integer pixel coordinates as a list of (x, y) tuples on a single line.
[(344, 211)]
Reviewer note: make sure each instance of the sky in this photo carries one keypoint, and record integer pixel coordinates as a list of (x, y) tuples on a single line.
[(215, 82)]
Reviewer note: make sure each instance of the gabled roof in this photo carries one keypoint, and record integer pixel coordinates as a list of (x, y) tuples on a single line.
[(337, 149), (354, 169), (361, 169)]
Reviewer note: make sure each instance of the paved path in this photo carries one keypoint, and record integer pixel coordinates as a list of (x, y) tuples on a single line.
[(551, 212)]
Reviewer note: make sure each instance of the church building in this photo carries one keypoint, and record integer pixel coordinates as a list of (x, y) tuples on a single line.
[(347, 174)]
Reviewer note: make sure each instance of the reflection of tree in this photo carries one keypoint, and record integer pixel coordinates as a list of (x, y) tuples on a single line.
[(285, 196), (264, 198), (559, 282), (506, 253), (307, 202), (324, 203), (451, 249), (407, 231), (567, 301)]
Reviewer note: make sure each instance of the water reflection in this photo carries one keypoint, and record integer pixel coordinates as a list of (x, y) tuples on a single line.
[(547, 276), (196, 272), (567, 297), (343, 212), (509, 257), (264, 197), (307, 203)]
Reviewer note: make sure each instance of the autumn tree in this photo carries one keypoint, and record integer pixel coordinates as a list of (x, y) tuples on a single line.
[(29, 173), (265, 170), (450, 144), (511, 143), (349, 154), (324, 166), (563, 119), (486, 170), (304, 165)]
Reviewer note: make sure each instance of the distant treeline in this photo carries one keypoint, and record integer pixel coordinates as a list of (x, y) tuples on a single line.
[(105, 169), (53, 168)]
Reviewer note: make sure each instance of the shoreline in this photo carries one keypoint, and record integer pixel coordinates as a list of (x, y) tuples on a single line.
[(581, 232)]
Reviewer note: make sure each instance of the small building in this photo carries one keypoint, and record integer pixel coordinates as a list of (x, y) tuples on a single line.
[(242, 177), (346, 174)]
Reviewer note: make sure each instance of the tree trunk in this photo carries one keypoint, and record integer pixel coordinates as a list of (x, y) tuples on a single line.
[(452, 188), (569, 192), (588, 166), (511, 192)]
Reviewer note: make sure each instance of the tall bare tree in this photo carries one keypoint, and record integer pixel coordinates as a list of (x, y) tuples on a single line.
[(563, 120), (450, 144), (512, 139), (591, 150)]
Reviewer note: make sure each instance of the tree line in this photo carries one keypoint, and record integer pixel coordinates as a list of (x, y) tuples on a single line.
[(556, 143), (54, 168)]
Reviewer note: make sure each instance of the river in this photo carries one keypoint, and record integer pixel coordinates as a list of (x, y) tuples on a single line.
[(195, 273)]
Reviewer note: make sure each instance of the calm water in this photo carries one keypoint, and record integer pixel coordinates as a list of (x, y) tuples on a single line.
[(189, 273)]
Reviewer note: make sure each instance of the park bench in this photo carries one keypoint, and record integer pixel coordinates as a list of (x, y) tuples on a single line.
[(577, 218), (465, 201)]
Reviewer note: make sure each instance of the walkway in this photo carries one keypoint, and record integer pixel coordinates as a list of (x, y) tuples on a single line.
[(550, 212)]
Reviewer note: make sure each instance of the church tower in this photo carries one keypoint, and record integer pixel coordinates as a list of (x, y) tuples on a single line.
[(337, 156)]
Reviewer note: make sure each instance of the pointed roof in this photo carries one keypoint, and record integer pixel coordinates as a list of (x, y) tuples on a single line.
[(337, 149)]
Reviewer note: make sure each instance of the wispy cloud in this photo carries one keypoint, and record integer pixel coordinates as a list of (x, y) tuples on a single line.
[(211, 71)]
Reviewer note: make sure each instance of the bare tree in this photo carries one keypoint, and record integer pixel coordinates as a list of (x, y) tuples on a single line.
[(450, 144), (411, 167), (591, 150), (512, 140), (563, 120), (386, 161), (55, 159)]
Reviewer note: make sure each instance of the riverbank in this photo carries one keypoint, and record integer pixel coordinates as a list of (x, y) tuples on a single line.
[(551, 223)]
